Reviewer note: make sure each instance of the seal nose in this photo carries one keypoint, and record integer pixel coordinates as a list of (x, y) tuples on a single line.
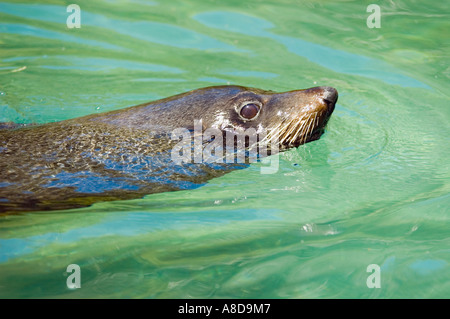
[(329, 94), (326, 93)]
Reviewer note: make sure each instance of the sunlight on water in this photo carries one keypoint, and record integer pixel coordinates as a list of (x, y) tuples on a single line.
[(373, 190)]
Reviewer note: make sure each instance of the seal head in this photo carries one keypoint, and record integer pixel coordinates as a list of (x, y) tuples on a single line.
[(294, 117)]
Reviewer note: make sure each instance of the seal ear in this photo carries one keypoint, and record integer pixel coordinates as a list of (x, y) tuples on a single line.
[(190, 128)]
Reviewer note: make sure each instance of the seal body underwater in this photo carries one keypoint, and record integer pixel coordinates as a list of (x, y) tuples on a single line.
[(127, 153)]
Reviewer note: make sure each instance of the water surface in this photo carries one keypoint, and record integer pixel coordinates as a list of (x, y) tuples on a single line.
[(373, 190)]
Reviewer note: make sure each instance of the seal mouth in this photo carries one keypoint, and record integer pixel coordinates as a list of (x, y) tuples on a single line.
[(315, 135)]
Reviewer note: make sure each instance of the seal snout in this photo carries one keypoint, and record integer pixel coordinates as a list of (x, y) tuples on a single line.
[(327, 94)]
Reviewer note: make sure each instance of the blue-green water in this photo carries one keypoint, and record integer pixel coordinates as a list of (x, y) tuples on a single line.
[(373, 190)]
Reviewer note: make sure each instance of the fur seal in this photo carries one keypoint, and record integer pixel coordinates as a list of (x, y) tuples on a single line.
[(126, 153)]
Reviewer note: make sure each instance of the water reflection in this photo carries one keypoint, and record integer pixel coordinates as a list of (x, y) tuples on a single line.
[(336, 60)]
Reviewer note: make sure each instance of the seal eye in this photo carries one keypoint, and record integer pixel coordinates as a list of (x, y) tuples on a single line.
[(249, 111)]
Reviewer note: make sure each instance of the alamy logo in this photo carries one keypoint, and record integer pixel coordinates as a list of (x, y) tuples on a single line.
[(74, 280), (74, 20), (211, 146), (374, 20), (374, 280)]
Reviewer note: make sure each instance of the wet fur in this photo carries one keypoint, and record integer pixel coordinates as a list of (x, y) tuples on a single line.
[(125, 154)]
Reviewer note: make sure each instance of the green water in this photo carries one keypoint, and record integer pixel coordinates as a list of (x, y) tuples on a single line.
[(373, 190)]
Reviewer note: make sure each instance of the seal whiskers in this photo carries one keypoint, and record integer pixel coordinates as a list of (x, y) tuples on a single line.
[(299, 131), (307, 131)]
